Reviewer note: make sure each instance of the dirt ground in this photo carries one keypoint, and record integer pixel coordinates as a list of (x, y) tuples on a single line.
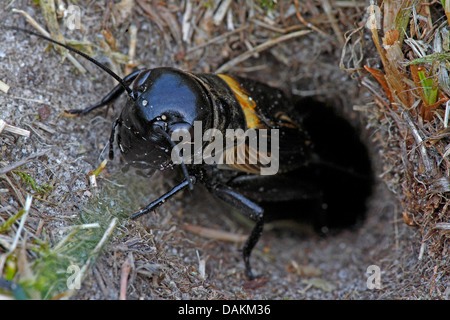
[(165, 258)]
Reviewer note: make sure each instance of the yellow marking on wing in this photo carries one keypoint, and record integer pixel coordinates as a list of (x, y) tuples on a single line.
[(247, 159), (248, 105), (232, 155), (285, 120)]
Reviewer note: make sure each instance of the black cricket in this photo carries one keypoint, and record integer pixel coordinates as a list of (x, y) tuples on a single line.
[(324, 171)]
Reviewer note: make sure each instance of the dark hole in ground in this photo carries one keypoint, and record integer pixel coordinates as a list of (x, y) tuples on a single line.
[(332, 191), (342, 173)]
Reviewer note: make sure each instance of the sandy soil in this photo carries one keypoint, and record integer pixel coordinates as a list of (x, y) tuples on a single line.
[(297, 263)]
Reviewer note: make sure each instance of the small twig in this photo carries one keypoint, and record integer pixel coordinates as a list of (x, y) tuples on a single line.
[(30, 100), (23, 161), (442, 226), (124, 274), (447, 112), (15, 189), (217, 39), (185, 25), (45, 127), (221, 12), (93, 174), (201, 266), (270, 27), (230, 64), (327, 8), (419, 140), (421, 250), (215, 234), (349, 4), (38, 27), (131, 49), (13, 129), (4, 87), (302, 20), (93, 181)]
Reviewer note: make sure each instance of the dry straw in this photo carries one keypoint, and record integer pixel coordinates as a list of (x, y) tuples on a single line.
[(412, 106)]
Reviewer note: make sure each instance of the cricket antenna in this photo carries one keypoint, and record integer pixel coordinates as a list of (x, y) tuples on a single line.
[(98, 64)]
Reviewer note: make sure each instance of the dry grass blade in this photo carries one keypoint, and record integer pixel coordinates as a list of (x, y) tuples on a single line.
[(305, 23), (131, 49), (49, 13), (23, 215), (218, 38), (4, 87), (125, 272), (39, 28), (328, 10), (403, 17), (215, 234), (442, 226), (415, 81), (264, 46), (23, 161), (429, 166), (6, 127), (221, 12), (201, 266)]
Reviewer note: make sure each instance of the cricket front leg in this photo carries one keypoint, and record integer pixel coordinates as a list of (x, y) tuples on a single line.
[(249, 209), (156, 203)]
